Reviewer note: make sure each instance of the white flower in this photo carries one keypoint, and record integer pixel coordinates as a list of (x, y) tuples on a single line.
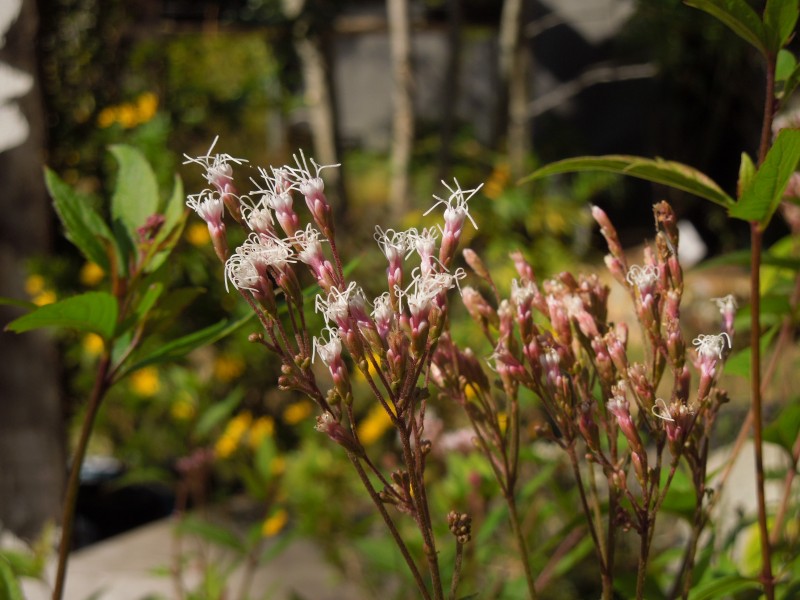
[(393, 244), (456, 208), (336, 307), (218, 169), (306, 183), (643, 277), (712, 345), (329, 350), (726, 304), (208, 205), (252, 259)]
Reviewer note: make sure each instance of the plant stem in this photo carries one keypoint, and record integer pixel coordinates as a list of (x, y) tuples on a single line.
[(101, 384), (756, 237), (523, 547), (423, 590), (456, 570)]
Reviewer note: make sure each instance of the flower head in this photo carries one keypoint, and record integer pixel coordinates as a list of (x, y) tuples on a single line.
[(709, 346), (218, 167)]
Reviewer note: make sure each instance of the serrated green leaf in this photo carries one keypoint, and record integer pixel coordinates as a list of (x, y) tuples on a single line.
[(739, 17), (136, 193), (82, 225), (761, 198), (722, 587), (780, 18), (92, 311), (669, 173), (183, 345)]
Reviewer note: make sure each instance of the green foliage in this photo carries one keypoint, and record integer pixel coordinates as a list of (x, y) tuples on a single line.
[(92, 311), (673, 174), (761, 196)]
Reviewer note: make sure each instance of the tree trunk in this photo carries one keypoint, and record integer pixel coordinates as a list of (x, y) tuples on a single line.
[(403, 104), (514, 66), (31, 426), (450, 90)]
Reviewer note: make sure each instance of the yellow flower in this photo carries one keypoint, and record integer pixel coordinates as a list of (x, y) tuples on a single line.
[(374, 425), (146, 104), (107, 117), (502, 421), (232, 436), (277, 466), (183, 409), (126, 116), (497, 182), (145, 382), (46, 297), (297, 412), (263, 427), (93, 344), (34, 285), (197, 234), (274, 523), (225, 446), (228, 367), (91, 274)]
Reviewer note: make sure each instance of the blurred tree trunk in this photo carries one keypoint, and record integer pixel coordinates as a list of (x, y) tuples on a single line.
[(31, 427), (515, 66), (403, 104), (451, 87), (313, 44)]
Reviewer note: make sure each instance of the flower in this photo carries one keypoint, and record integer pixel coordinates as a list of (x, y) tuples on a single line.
[(273, 525), (228, 367), (297, 412), (262, 428), (91, 274), (372, 427), (218, 169), (197, 234), (643, 277), (234, 431), (93, 344), (712, 345), (146, 382)]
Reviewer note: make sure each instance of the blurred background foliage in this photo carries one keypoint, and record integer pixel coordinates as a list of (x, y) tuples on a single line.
[(167, 77)]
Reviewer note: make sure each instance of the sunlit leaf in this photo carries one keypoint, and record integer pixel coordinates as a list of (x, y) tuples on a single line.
[(722, 587), (669, 173), (92, 311), (136, 194), (737, 15), (761, 198), (780, 18), (82, 225), (180, 347)]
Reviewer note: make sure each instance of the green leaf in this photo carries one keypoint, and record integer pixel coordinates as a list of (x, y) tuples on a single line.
[(175, 214), (761, 198), (136, 194), (92, 311), (722, 587), (784, 65), (780, 17), (783, 430), (211, 532), (149, 299), (672, 174), (82, 225), (9, 586), (747, 171), (739, 363), (739, 17), (26, 304), (217, 413), (183, 345), (789, 85)]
